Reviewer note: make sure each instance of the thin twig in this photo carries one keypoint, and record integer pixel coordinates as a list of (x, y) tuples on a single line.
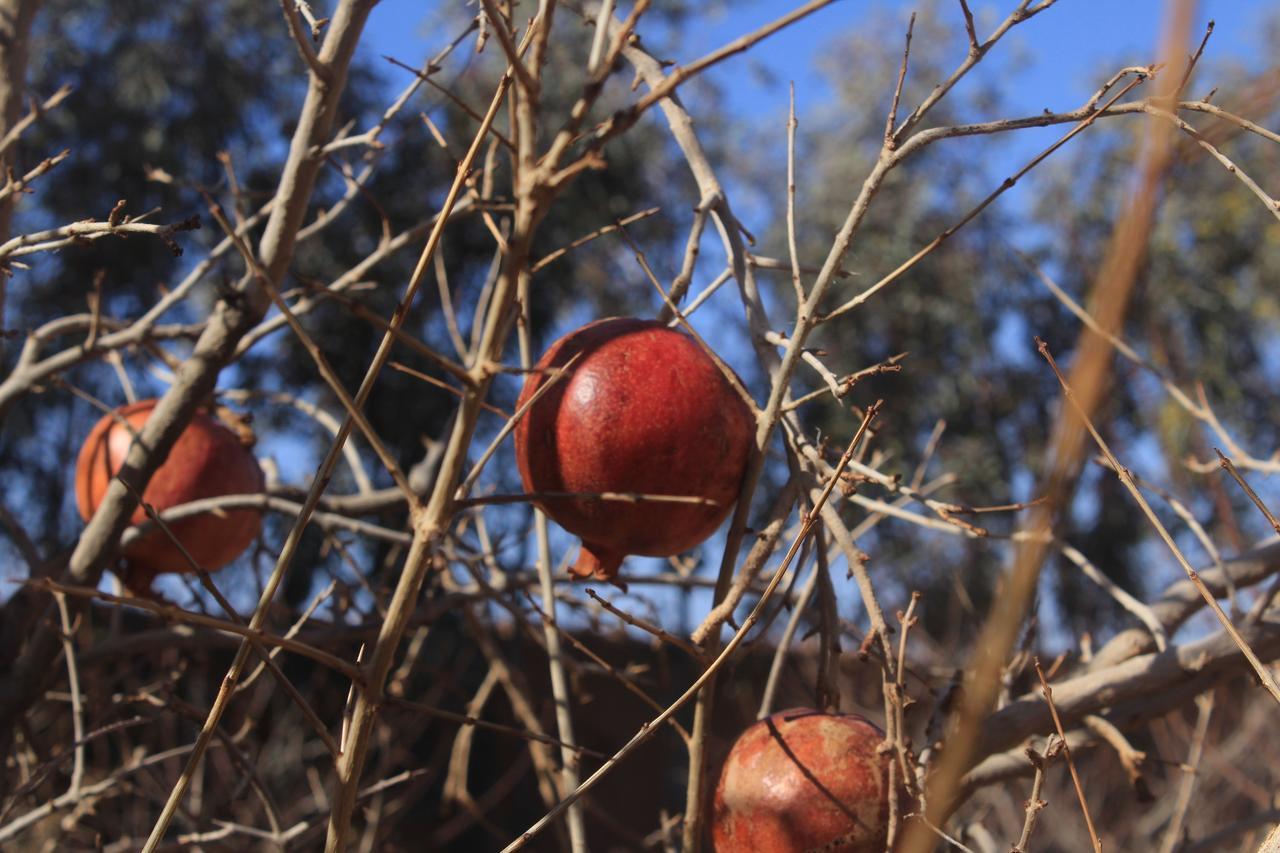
[(621, 677), (892, 120), (692, 249), (301, 40), (598, 39), (1264, 673), (77, 700), (1066, 753), (648, 627), (1248, 490), (794, 252), (1193, 61), (172, 613), (1034, 804), (1131, 759), (556, 375), (1190, 768), (599, 232), (898, 700), (969, 29)]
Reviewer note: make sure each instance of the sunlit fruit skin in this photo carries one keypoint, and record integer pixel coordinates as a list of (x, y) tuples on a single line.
[(207, 461), (644, 410), (804, 779)]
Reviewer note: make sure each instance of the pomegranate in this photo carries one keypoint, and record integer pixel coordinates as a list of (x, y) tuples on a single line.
[(208, 460), (804, 779), (645, 410)]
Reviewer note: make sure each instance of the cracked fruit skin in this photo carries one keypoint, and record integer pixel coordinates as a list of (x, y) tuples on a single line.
[(804, 779), (643, 410), (208, 460)]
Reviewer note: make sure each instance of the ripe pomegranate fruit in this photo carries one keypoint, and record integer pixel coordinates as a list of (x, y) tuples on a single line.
[(804, 779), (644, 410), (208, 460)]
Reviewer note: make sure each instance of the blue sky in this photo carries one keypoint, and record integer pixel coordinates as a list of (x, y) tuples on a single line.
[(1065, 47), (1054, 61)]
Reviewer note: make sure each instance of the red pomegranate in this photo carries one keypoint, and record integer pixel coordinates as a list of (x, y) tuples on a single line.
[(804, 779), (644, 411), (208, 460)]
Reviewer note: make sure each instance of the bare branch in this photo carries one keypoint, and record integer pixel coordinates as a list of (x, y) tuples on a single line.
[(1066, 752), (304, 45), (1264, 674)]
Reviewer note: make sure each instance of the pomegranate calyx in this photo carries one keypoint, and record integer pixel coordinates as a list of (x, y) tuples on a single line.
[(596, 561)]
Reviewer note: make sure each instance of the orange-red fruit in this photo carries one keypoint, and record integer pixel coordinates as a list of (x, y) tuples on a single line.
[(643, 410), (207, 461), (804, 779)]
